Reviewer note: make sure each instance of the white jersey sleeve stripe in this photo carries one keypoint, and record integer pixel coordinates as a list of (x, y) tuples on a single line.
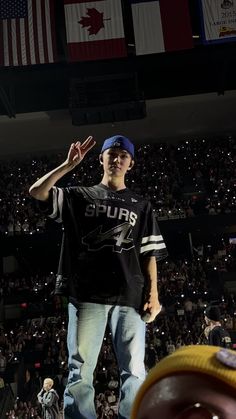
[(152, 239), (57, 197), (152, 246)]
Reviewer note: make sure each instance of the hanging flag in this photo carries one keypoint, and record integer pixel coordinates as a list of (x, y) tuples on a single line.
[(94, 29), (218, 18), (161, 26), (27, 33)]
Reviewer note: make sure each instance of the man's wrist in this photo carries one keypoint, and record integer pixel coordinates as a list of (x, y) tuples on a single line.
[(68, 165)]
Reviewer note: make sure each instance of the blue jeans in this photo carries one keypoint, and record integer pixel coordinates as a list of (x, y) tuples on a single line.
[(86, 330)]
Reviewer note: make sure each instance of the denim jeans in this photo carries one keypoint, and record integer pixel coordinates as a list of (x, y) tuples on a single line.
[(86, 329)]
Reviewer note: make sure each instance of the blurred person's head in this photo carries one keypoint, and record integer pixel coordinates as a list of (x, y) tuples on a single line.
[(195, 382), (212, 314), (48, 384)]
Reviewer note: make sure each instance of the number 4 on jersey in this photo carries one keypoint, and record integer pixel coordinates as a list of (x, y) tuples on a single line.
[(117, 237)]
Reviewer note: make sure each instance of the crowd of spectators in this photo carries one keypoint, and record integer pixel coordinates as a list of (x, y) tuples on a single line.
[(182, 180), (39, 343)]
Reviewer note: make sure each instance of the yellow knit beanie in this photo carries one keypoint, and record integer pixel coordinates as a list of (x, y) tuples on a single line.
[(209, 360)]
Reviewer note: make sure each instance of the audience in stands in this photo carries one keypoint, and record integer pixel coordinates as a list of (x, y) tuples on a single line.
[(188, 179), (184, 291)]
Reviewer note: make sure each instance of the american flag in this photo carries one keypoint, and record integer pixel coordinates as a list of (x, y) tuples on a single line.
[(27, 32)]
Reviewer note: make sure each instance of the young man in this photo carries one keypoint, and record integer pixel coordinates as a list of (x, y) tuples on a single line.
[(216, 334), (48, 398), (110, 244)]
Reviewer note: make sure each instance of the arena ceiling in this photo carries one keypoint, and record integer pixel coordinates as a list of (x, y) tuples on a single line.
[(168, 119)]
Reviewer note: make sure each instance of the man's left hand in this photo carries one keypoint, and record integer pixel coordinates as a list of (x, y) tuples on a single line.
[(152, 308)]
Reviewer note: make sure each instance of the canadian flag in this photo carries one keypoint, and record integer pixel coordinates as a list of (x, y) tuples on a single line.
[(94, 29)]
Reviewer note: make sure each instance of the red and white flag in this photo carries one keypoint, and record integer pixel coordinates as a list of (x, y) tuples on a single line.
[(161, 25), (94, 29), (27, 32)]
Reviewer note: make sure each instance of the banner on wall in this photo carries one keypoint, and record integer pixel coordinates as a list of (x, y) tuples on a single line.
[(218, 20)]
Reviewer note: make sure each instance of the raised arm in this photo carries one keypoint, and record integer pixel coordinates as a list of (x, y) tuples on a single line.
[(40, 189)]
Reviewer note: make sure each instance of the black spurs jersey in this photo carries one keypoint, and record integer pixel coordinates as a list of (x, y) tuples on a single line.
[(106, 234)]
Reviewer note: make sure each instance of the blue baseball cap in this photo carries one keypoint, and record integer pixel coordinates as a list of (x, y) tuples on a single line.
[(119, 141)]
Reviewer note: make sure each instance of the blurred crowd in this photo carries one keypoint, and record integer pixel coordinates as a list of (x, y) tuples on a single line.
[(182, 180), (38, 344)]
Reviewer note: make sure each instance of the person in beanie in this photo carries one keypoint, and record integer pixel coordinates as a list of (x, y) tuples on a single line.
[(110, 245), (194, 382), (216, 334)]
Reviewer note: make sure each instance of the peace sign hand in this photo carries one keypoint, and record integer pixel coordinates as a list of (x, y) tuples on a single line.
[(77, 151)]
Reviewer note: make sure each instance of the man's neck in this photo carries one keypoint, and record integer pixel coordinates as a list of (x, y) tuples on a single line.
[(116, 184)]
